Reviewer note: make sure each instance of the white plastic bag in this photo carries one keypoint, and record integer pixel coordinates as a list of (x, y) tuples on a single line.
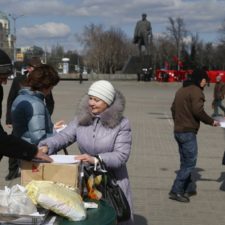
[(16, 201)]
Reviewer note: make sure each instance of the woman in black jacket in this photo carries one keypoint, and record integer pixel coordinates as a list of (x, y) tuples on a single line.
[(10, 145)]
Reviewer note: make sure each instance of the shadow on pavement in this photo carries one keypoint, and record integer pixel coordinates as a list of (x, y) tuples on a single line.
[(196, 175), (155, 113), (140, 220), (222, 180)]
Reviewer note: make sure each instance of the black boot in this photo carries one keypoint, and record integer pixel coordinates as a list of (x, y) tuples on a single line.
[(14, 170), (13, 175)]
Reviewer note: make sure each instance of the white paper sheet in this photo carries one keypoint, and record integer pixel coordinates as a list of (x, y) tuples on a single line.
[(64, 159), (222, 124)]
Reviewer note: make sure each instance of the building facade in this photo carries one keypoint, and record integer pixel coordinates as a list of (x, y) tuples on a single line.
[(6, 39)]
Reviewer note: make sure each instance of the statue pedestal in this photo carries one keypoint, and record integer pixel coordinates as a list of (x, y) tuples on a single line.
[(135, 64)]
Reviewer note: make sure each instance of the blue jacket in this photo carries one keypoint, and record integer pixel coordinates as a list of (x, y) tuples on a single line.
[(8, 143), (30, 118)]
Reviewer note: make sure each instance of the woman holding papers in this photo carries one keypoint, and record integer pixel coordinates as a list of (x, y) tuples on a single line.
[(99, 129)]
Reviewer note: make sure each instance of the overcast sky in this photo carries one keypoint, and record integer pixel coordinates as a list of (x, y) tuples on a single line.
[(48, 22)]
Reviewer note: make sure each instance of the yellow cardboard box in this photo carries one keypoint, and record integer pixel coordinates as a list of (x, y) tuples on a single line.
[(67, 174)]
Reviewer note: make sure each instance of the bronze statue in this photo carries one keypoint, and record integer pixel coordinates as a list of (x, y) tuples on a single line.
[(143, 34)]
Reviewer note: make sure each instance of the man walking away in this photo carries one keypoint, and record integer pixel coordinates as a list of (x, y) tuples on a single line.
[(187, 112)]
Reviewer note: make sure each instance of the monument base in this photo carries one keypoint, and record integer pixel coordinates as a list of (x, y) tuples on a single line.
[(135, 64)]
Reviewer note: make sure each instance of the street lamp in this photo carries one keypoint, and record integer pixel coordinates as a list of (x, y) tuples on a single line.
[(14, 17)]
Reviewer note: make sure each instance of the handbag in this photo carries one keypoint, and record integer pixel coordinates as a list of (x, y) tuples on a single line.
[(111, 191)]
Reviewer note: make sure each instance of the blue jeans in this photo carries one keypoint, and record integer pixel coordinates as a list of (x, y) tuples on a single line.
[(188, 149)]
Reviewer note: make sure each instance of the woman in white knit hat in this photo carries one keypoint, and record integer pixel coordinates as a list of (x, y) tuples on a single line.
[(100, 129)]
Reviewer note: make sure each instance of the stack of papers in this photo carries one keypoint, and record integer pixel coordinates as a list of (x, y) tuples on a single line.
[(64, 159), (222, 124)]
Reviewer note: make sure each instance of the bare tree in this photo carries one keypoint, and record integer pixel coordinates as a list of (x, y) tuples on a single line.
[(222, 33), (105, 50), (164, 52), (91, 41), (221, 46), (56, 55), (177, 33)]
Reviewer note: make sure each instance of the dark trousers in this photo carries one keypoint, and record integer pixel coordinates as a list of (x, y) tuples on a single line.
[(81, 78), (218, 104), (188, 150), (13, 164)]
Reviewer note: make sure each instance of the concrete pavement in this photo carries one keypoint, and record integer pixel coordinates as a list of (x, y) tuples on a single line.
[(154, 159)]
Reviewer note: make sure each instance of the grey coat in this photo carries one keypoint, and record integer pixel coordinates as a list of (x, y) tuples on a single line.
[(107, 135)]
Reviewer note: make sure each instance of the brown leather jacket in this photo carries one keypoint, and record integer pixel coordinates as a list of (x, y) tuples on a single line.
[(188, 109)]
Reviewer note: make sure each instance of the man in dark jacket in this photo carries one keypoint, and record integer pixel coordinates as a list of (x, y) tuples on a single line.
[(10, 145), (187, 112), (218, 96), (17, 83)]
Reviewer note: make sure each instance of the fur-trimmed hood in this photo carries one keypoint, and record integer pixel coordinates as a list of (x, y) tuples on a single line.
[(111, 117)]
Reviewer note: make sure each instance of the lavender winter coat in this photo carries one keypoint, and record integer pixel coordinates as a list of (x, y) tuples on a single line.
[(107, 135)]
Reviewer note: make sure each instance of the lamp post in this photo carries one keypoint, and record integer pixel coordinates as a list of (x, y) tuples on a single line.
[(14, 17)]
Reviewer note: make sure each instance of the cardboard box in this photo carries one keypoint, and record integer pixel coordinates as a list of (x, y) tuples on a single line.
[(62, 173)]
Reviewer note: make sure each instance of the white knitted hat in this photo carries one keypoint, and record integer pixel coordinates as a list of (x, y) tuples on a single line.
[(104, 90)]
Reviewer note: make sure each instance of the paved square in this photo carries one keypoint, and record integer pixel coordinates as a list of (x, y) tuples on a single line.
[(154, 159)]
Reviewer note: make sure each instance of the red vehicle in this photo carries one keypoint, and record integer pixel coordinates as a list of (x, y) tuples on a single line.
[(214, 73), (171, 75), (175, 75)]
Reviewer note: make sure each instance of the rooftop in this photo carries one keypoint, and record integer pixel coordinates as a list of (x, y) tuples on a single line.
[(3, 16)]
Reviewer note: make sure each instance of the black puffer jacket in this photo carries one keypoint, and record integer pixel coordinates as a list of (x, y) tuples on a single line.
[(14, 147)]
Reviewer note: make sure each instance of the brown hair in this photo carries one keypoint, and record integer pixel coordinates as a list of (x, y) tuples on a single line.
[(44, 76), (35, 61)]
